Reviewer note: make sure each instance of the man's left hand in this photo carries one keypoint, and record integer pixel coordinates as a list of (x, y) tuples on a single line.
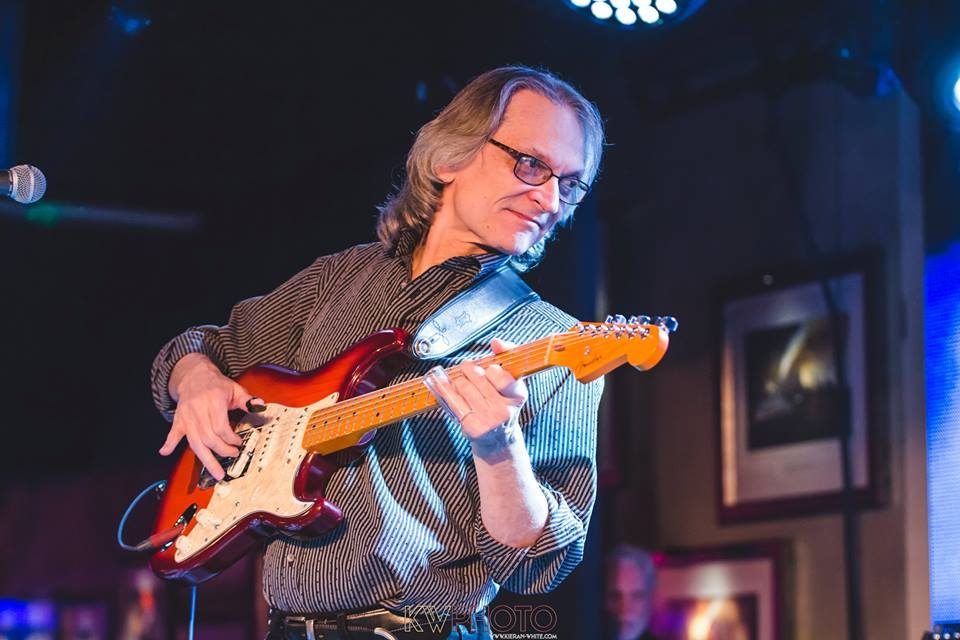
[(480, 398)]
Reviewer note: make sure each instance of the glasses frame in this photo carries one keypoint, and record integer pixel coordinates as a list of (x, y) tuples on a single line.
[(519, 156)]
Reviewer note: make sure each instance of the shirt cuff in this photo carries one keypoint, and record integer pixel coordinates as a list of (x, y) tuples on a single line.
[(563, 528), (190, 341)]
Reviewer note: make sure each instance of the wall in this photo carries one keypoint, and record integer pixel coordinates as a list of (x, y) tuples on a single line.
[(714, 203)]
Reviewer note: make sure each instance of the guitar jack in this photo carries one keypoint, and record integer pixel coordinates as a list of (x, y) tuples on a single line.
[(170, 535), (164, 538)]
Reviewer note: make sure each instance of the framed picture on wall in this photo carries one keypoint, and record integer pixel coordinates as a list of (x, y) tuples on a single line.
[(801, 365), (734, 591)]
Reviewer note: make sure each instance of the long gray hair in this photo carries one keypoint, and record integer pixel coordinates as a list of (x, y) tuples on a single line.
[(460, 131)]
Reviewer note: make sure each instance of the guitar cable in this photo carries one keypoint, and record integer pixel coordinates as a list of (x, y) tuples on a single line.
[(156, 541)]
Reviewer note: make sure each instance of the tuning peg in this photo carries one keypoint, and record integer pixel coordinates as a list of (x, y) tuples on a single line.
[(619, 319), (641, 319), (608, 320), (667, 322)]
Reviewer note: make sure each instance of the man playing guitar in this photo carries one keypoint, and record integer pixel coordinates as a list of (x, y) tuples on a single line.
[(443, 508)]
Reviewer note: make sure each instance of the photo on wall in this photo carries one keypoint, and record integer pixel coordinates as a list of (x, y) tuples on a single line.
[(800, 362), (793, 394), (733, 592)]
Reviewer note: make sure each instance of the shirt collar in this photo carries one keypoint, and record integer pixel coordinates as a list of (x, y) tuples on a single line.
[(478, 265)]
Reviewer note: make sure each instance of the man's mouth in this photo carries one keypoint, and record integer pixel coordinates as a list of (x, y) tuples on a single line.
[(527, 218)]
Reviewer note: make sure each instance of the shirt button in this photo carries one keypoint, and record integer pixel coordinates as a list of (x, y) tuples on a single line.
[(290, 559)]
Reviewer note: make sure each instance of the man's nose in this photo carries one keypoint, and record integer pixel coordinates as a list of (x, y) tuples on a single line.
[(547, 195)]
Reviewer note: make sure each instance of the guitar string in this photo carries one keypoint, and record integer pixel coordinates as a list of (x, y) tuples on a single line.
[(363, 405), (360, 409)]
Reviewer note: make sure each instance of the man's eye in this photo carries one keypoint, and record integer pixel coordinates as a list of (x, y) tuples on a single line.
[(529, 163)]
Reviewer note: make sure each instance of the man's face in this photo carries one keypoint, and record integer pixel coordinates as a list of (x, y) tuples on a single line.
[(628, 600), (485, 206)]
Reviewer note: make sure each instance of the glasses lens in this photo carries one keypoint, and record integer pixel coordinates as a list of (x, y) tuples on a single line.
[(532, 171), (572, 191)]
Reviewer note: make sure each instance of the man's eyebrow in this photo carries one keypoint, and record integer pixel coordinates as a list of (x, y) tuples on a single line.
[(545, 157)]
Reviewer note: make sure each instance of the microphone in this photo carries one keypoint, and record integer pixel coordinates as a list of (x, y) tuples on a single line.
[(23, 183)]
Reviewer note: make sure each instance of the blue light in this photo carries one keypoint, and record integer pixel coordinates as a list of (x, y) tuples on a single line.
[(135, 25), (27, 615), (129, 22), (942, 352), (956, 93)]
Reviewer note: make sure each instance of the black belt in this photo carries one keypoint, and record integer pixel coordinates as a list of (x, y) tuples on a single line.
[(374, 624)]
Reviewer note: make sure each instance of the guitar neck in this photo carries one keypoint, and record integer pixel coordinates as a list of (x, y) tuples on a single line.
[(340, 424)]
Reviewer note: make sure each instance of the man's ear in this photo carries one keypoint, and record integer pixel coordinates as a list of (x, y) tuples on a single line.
[(445, 174)]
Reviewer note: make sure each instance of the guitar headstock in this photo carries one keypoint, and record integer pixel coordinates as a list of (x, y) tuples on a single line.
[(591, 349)]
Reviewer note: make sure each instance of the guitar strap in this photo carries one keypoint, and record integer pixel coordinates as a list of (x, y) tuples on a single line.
[(470, 313)]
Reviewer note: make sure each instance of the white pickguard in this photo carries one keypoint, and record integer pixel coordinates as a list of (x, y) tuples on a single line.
[(267, 485)]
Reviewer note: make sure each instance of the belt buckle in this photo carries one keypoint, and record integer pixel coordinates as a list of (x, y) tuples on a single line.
[(307, 626)]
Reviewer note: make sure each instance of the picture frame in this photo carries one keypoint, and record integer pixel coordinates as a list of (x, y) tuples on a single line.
[(785, 396), (735, 591)]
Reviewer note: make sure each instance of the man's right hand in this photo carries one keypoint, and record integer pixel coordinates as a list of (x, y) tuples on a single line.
[(204, 396)]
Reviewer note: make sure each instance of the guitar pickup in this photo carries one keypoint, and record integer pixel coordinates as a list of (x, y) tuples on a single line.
[(234, 467), (242, 461)]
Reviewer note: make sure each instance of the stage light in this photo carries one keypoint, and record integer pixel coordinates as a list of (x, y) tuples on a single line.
[(601, 10), (629, 13), (936, 86), (626, 16), (667, 6), (648, 14)]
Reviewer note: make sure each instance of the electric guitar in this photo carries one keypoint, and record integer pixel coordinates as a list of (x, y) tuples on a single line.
[(277, 482)]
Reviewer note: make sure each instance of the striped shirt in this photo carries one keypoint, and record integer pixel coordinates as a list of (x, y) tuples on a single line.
[(412, 532)]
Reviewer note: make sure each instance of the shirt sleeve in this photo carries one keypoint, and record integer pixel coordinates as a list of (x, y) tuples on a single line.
[(560, 430), (263, 329)]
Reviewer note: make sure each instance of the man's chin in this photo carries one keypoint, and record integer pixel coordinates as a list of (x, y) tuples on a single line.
[(520, 244)]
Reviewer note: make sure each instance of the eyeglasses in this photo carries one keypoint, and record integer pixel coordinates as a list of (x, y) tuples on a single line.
[(535, 172)]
